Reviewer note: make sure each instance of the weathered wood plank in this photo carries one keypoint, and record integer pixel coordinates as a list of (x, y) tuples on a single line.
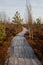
[(22, 61)]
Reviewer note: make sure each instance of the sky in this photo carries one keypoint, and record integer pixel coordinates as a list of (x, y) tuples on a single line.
[(11, 6)]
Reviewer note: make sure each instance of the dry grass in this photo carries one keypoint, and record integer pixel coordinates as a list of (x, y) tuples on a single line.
[(37, 46), (11, 31)]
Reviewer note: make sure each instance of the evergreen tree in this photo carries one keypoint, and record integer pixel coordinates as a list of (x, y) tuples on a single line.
[(17, 19)]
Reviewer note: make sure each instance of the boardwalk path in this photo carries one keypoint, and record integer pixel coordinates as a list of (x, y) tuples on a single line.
[(20, 52)]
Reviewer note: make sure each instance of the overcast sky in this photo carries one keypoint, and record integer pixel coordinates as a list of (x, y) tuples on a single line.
[(11, 6)]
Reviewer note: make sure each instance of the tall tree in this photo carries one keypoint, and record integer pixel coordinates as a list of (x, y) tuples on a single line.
[(29, 14), (38, 24), (29, 17), (17, 19)]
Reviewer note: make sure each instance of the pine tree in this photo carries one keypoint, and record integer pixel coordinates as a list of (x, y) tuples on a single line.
[(17, 19)]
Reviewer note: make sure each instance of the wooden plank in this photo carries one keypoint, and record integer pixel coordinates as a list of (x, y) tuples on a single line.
[(16, 52), (29, 62), (16, 61), (27, 53), (22, 61), (20, 53)]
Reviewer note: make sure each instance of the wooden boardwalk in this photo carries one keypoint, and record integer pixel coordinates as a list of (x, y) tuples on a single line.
[(21, 52)]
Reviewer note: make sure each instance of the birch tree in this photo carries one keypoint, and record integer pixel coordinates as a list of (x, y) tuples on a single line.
[(29, 17)]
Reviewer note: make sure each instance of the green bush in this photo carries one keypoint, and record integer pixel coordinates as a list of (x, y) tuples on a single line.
[(2, 31)]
